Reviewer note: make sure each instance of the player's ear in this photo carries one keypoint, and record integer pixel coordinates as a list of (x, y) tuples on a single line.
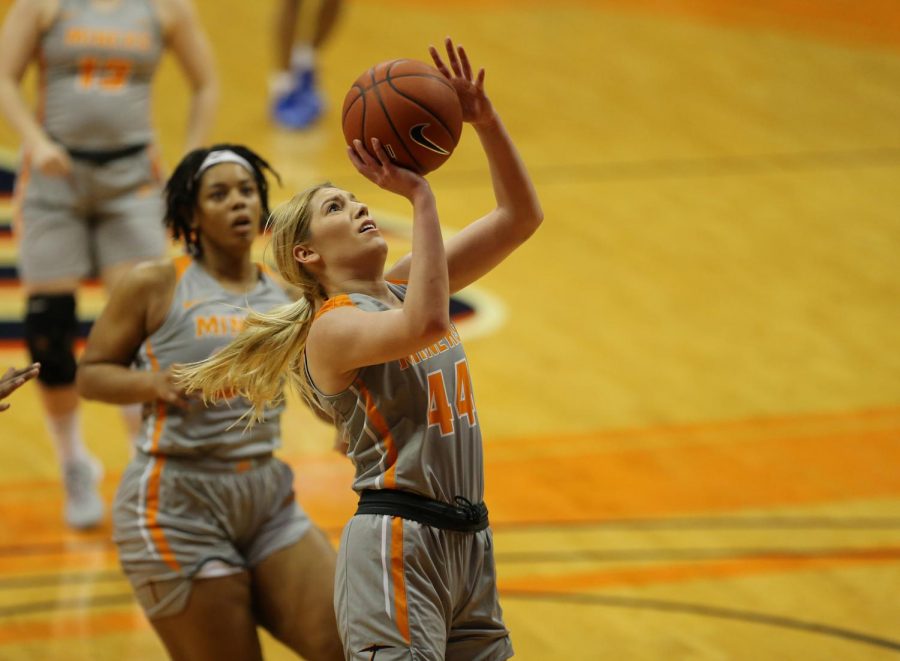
[(305, 255)]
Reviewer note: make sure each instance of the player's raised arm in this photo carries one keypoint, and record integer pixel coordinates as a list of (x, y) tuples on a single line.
[(489, 240)]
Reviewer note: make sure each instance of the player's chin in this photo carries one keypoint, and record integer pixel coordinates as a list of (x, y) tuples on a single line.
[(372, 243)]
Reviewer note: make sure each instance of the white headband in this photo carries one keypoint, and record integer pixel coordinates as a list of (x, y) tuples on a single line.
[(222, 156)]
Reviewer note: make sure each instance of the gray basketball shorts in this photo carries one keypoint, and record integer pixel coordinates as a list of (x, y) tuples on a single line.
[(176, 519), (98, 216), (404, 590)]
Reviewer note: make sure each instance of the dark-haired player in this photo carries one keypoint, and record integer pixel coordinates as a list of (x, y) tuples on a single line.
[(88, 193), (205, 519)]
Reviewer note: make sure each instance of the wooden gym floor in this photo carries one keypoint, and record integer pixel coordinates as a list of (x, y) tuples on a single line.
[(688, 381)]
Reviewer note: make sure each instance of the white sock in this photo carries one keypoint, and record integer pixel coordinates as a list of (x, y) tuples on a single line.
[(66, 432), (303, 57), (281, 82)]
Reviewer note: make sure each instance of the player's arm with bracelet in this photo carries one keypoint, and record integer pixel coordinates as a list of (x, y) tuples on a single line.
[(486, 242), (136, 308)]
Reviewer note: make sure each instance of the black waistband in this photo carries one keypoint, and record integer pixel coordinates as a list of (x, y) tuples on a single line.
[(463, 516), (103, 156)]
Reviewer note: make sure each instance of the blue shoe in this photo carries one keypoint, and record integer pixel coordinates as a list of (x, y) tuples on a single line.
[(300, 106)]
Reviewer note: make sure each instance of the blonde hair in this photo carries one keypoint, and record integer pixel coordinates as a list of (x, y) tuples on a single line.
[(253, 363)]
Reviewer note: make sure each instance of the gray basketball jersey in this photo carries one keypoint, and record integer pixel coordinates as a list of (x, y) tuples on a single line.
[(411, 424), (96, 70), (202, 319)]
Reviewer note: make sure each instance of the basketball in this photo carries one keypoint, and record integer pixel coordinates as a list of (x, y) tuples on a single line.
[(410, 107)]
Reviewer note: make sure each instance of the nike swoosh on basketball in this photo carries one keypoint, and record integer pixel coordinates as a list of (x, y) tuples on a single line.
[(417, 133)]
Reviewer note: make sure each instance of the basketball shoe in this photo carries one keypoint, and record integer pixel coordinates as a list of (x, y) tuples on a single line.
[(84, 506), (300, 104)]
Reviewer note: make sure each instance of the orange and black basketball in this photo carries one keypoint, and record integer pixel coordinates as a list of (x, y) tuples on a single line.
[(410, 107)]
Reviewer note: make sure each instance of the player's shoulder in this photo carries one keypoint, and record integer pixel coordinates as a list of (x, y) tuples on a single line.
[(152, 275), (172, 12), (39, 12)]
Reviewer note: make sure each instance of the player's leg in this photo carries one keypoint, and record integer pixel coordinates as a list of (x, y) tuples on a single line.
[(392, 589), (296, 100), (294, 596), (477, 632), (54, 254), (171, 526), (326, 19), (217, 623), (292, 565)]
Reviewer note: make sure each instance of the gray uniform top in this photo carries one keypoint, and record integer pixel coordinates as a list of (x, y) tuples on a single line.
[(411, 424), (96, 69), (203, 318)]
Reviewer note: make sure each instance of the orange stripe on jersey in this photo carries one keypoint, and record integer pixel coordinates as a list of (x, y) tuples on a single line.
[(339, 301), (401, 616), (398, 282), (151, 506), (152, 515), (374, 417), (181, 265)]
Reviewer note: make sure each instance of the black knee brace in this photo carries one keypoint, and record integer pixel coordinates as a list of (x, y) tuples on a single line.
[(50, 329)]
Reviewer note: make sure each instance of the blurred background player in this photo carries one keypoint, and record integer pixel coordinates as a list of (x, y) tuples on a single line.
[(296, 100), (88, 192), (205, 519)]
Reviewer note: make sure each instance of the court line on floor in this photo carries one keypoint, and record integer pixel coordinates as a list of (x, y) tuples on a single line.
[(751, 617), (657, 554)]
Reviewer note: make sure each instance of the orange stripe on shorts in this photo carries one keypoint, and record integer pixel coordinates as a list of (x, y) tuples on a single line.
[(401, 616)]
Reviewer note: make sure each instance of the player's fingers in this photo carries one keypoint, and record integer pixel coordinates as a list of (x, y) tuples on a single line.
[(479, 82), (10, 386), (8, 373), (65, 163), (380, 152), (175, 399), (464, 59), (438, 62), (364, 155), (354, 158), (3, 407), (452, 58)]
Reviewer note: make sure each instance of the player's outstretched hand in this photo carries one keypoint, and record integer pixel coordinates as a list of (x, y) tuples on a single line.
[(12, 379), (476, 107)]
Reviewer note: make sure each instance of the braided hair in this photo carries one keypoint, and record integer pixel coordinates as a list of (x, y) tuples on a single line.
[(184, 185)]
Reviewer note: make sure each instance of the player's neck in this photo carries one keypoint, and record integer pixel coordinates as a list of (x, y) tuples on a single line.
[(233, 273), (376, 289)]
